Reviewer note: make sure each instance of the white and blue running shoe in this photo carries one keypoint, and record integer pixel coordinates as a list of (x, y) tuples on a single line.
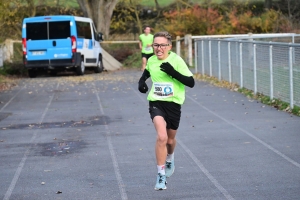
[(170, 167), (161, 182)]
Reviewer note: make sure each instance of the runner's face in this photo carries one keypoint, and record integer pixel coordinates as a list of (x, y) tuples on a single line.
[(162, 52), (147, 30)]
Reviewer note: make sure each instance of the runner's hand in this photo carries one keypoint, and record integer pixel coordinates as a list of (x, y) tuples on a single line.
[(143, 88), (168, 68)]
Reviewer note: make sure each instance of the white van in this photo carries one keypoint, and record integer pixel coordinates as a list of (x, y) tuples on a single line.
[(61, 42)]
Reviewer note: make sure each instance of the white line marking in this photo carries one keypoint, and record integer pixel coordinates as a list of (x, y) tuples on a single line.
[(249, 134), (113, 155), (12, 99), (22, 163), (198, 163), (206, 172)]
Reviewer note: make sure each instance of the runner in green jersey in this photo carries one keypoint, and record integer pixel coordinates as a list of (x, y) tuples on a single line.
[(169, 75), (145, 44)]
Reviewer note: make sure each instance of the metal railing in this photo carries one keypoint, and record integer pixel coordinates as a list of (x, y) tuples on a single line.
[(256, 63)]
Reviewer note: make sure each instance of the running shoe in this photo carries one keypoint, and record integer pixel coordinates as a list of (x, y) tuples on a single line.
[(170, 167), (161, 182)]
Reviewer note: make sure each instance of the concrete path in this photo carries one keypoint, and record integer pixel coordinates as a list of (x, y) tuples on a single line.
[(91, 137)]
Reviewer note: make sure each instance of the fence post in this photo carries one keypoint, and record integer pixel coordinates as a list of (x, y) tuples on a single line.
[(202, 56), (8, 50), (196, 56), (210, 62), (293, 41), (291, 77), (271, 72), (219, 59), (241, 65), (178, 45), (254, 69), (1, 56), (229, 62), (188, 49)]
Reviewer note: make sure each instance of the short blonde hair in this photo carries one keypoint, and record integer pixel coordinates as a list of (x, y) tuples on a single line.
[(164, 34)]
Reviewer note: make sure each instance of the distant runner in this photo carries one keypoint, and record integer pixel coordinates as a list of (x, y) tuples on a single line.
[(145, 43)]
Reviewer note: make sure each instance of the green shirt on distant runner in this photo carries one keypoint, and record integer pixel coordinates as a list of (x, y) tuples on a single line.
[(164, 87), (146, 39)]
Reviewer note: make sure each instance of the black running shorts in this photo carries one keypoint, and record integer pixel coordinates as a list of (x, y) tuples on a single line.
[(147, 56), (170, 111)]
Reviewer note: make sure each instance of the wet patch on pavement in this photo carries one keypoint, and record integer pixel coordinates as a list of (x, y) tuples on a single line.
[(91, 121), (60, 148)]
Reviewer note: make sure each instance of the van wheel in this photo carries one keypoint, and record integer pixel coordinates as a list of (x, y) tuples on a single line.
[(80, 69), (99, 68), (32, 73)]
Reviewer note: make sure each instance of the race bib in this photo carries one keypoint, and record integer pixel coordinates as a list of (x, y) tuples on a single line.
[(148, 49), (163, 90)]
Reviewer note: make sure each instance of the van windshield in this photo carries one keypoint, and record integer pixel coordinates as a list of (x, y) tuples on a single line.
[(39, 30)]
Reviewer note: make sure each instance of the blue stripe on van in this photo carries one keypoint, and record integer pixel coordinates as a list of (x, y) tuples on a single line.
[(90, 44), (80, 43)]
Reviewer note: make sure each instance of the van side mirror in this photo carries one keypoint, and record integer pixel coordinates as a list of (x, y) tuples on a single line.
[(100, 37)]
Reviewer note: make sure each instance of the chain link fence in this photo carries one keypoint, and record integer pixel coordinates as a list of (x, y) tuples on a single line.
[(267, 65)]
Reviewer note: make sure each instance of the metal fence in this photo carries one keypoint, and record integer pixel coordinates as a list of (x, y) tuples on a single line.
[(259, 64)]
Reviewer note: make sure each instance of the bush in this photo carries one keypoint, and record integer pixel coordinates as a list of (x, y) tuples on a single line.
[(134, 60), (128, 54), (13, 69)]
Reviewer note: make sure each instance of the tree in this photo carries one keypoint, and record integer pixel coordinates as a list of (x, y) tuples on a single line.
[(268, 4), (12, 14), (100, 11)]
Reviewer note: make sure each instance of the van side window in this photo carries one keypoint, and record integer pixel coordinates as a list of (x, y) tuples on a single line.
[(59, 30), (84, 30), (36, 31)]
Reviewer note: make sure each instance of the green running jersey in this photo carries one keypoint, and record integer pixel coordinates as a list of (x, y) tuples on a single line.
[(164, 87), (146, 39)]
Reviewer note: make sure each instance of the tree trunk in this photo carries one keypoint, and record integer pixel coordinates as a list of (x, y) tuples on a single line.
[(157, 5), (100, 11), (138, 21), (31, 7)]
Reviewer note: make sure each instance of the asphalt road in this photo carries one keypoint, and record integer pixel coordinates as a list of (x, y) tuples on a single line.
[(91, 137)]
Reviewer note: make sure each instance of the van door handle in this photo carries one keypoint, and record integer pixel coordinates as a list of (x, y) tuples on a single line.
[(54, 43)]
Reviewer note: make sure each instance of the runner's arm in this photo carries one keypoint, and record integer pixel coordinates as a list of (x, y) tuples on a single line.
[(186, 80), (145, 75)]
